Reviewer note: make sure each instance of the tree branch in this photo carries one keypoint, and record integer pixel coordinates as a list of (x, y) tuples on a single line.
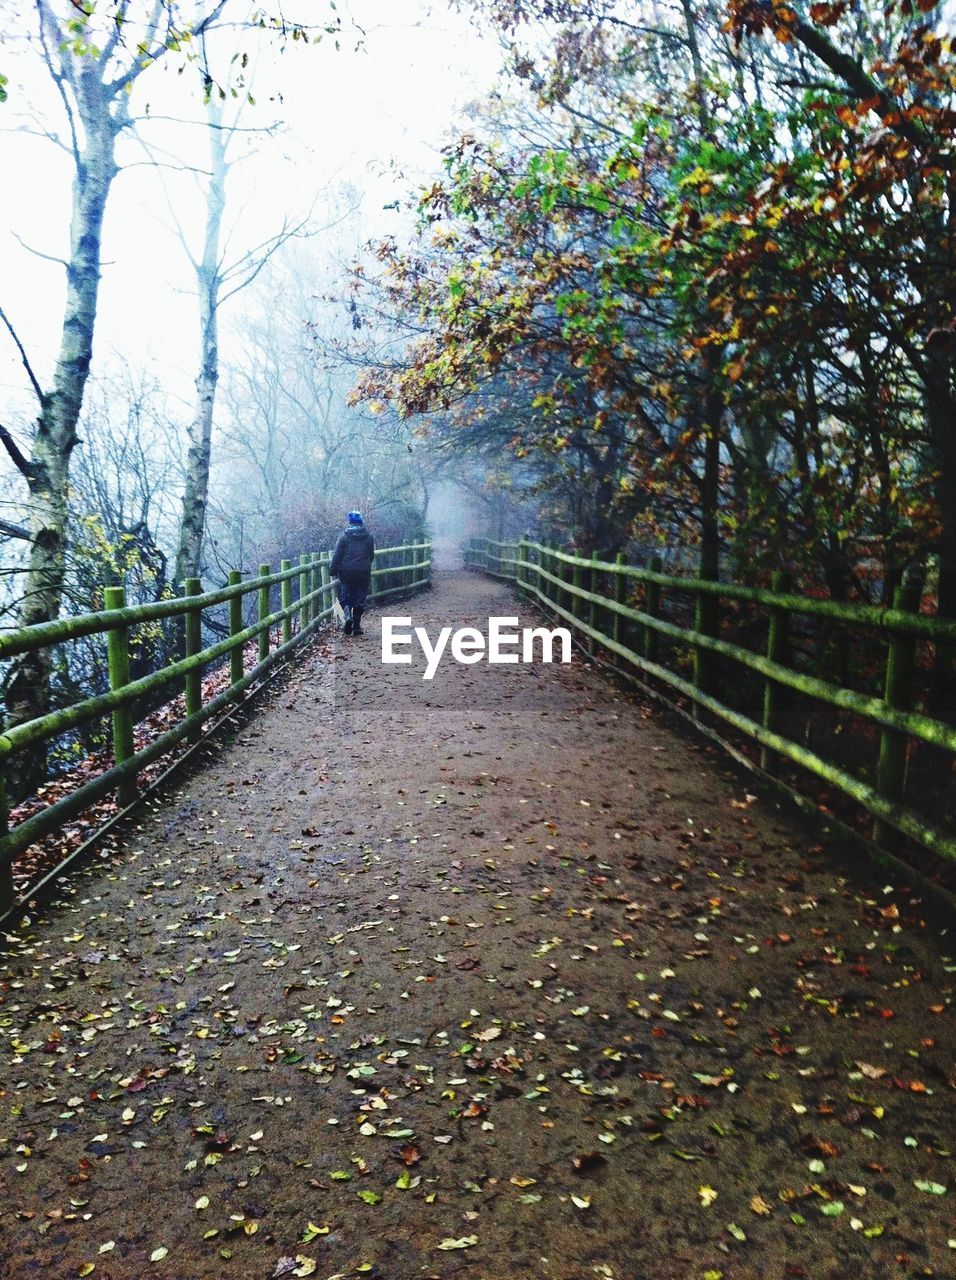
[(60, 75), (863, 86), (23, 464), (24, 358), (47, 257), (15, 531)]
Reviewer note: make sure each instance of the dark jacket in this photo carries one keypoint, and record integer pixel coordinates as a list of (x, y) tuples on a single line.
[(353, 553)]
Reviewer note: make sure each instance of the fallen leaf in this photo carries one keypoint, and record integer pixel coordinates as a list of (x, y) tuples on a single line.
[(463, 1242)]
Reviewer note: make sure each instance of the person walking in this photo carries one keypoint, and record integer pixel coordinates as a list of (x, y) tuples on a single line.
[(352, 565)]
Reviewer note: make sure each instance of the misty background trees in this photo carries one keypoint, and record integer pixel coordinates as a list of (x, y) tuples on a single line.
[(116, 474)]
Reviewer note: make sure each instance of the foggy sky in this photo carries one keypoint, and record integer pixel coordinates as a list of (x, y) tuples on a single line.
[(371, 118)]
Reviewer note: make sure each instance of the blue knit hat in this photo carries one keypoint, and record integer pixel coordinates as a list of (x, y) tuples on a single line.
[(355, 517)]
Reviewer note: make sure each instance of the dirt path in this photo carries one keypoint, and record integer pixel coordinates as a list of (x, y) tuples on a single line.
[(496, 961)]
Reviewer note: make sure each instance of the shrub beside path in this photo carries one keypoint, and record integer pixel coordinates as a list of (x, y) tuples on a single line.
[(491, 976)]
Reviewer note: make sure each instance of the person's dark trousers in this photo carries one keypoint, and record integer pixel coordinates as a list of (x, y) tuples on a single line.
[(353, 593)]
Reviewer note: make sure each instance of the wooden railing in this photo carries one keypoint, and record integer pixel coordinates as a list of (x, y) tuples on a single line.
[(305, 600), (567, 585)]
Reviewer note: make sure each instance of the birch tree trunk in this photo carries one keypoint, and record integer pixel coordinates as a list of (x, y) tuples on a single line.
[(209, 280), (216, 283), (28, 683), (94, 75)]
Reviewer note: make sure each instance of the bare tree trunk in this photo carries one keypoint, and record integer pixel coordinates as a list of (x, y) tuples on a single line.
[(216, 283), (195, 495), (209, 278), (28, 684)]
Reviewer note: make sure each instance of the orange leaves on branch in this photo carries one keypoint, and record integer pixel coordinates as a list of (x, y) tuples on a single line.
[(827, 15)]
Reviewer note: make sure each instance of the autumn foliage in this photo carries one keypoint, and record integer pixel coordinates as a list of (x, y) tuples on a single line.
[(697, 282)]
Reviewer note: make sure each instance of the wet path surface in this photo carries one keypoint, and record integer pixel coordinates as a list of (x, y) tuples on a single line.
[(491, 976)]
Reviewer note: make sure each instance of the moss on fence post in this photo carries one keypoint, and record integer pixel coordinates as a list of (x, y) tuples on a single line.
[(326, 582), (620, 596), (117, 657), (303, 592), (6, 862), (778, 645), (652, 607), (898, 693), (286, 598), (319, 602), (193, 639), (521, 571), (235, 626), (560, 570), (593, 611), (705, 660), (264, 571)]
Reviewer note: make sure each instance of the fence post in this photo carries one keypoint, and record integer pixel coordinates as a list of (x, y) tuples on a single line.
[(898, 693), (577, 578), (705, 660), (558, 570), (315, 604), (117, 657), (620, 596), (593, 608), (303, 592), (521, 555), (6, 862), (305, 588), (652, 607), (285, 597), (778, 643), (235, 626), (264, 571), (193, 643), (325, 601)]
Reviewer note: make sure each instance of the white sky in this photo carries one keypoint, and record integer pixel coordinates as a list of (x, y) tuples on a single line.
[(373, 118)]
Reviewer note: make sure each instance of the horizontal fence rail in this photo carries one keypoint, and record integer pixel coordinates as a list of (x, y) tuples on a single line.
[(305, 591), (565, 584)]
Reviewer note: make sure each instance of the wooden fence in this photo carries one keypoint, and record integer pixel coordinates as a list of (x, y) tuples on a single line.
[(305, 600), (569, 586)]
